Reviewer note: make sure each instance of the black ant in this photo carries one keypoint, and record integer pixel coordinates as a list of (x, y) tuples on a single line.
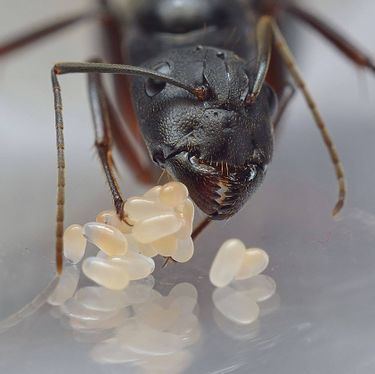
[(207, 91)]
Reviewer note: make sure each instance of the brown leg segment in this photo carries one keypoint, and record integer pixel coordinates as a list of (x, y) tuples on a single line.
[(113, 42), (34, 35), (335, 37), (103, 138), (105, 119), (198, 230), (201, 227), (285, 98)]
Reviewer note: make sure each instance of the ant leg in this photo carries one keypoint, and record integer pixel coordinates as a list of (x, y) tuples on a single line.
[(102, 116), (335, 37), (286, 96), (105, 118), (113, 34), (196, 232), (34, 35), (200, 227), (265, 26)]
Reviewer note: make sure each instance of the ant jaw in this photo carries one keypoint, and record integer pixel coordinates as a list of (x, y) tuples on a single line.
[(233, 192), (219, 189)]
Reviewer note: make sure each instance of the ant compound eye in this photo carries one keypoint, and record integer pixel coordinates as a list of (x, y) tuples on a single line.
[(154, 86)]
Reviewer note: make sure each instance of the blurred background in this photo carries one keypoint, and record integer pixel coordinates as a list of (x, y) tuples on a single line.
[(324, 268)]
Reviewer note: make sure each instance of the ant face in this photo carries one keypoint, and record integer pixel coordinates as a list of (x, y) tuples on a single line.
[(219, 148)]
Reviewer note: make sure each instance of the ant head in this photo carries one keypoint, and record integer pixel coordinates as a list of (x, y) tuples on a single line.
[(218, 143)]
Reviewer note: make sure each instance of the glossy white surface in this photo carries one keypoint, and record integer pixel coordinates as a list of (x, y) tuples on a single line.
[(322, 318)]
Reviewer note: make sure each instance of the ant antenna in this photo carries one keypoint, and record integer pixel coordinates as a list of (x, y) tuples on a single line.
[(92, 67), (267, 28)]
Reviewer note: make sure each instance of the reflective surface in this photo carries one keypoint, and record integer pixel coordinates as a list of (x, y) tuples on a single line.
[(320, 321)]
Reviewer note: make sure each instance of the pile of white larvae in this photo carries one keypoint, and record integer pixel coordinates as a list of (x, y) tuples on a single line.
[(158, 223), (161, 223), (236, 271), (136, 325)]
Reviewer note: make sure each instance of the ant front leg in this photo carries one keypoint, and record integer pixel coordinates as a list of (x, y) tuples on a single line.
[(197, 231), (103, 114), (105, 118), (287, 94)]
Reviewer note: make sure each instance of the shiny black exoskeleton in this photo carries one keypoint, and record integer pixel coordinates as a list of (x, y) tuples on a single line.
[(218, 147), (200, 97)]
